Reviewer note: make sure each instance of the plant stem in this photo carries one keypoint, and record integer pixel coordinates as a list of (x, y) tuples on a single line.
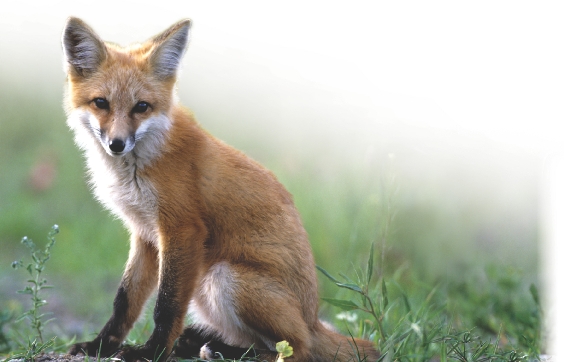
[(36, 320)]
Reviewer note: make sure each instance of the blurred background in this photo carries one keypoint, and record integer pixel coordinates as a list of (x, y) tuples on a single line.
[(421, 126)]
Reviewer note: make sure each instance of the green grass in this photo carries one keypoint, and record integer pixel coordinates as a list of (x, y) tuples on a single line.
[(455, 237), (408, 319)]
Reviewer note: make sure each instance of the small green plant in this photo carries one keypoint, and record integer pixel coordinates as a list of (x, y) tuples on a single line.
[(36, 285), (32, 350), (284, 350), (362, 288)]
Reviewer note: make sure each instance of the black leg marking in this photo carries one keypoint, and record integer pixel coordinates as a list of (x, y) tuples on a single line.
[(115, 325), (165, 314)]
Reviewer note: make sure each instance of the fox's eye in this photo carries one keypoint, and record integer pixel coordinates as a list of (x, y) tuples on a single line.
[(102, 103), (141, 107)]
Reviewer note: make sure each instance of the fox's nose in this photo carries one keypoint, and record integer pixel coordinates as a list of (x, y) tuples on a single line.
[(117, 145)]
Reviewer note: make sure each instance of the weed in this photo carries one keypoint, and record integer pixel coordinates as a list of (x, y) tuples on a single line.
[(284, 350), (32, 350), (36, 285)]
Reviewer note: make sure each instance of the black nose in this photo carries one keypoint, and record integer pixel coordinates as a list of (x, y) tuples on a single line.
[(117, 145)]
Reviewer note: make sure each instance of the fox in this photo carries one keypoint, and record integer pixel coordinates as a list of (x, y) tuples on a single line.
[(213, 232)]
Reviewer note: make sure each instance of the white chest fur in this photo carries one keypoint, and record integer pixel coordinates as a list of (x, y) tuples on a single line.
[(117, 181), (129, 196)]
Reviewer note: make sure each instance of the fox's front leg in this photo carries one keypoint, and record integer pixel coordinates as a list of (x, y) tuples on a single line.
[(139, 280), (179, 264)]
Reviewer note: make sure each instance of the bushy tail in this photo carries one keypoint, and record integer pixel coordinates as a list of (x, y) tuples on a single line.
[(331, 346)]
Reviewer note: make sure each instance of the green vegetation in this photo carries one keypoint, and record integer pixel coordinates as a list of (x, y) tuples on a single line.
[(37, 283), (423, 324), (407, 319), (31, 346), (434, 252)]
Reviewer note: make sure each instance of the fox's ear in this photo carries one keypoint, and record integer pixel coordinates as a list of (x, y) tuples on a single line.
[(83, 50), (169, 47)]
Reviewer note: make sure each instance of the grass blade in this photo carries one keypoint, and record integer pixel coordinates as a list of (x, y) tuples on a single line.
[(370, 266), (345, 305), (350, 286), (327, 274)]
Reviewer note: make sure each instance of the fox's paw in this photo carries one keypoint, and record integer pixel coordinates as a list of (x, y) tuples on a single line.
[(187, 348), (142, 354), (95, 348), (216, 349), (190, 342), (206, 352)]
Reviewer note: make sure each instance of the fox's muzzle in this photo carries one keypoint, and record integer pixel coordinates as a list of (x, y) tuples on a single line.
[(117, 146)]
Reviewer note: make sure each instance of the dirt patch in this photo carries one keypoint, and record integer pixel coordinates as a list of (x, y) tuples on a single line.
[(61, 357)]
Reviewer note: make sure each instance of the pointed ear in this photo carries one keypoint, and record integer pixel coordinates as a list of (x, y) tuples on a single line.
[(83, 50), (169, 48)]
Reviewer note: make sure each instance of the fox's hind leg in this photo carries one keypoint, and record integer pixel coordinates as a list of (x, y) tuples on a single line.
[(249, 308), (275, 314)]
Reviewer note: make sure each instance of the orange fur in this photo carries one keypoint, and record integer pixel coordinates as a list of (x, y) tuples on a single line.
[(215, 231)]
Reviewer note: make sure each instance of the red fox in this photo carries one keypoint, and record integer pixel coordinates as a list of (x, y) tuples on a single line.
[(213, 231)]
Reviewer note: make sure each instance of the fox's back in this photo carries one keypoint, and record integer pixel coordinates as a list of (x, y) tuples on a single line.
[(242, 205)]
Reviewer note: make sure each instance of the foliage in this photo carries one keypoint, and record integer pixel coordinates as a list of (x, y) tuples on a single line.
[(466, 347), (430, 322), (419, 326), (37, 283), (36, 345), (504, 301), (33, 349)]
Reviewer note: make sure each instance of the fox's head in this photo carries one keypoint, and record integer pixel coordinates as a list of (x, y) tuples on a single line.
[(121, 96)]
